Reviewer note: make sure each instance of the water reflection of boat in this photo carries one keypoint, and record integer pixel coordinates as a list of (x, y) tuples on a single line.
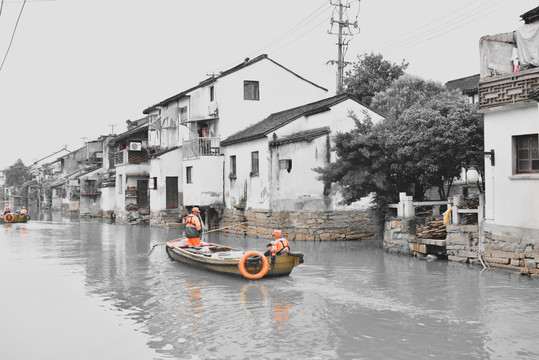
[(14, 218), (226, 260)]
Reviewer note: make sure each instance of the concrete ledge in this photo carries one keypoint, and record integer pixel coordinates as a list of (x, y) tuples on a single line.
[(436, 242)]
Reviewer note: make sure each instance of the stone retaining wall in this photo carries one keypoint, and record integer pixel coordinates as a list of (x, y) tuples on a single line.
[(302, 226), (510, 249)]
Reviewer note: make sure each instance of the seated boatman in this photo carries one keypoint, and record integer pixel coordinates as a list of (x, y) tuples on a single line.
[(23, 211), (193, 227), (278, 245)]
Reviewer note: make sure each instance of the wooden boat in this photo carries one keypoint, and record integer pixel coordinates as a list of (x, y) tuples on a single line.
[(14, 218), (226, 260)]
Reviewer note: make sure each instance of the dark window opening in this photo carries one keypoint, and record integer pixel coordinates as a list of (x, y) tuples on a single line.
[(232, 167), (189, 174), (251, 90), (285, 164), (254, 163), (212, 93)]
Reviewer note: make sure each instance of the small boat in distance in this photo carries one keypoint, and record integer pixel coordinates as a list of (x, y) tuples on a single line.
[(226, 260), (10, 218)]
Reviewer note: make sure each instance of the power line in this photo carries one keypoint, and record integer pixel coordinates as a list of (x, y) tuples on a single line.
[(442, 31), (287, 33), (13, 35), (396, 39)]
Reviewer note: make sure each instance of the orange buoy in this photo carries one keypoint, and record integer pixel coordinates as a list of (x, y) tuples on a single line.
[(258, 275), (8, 218)]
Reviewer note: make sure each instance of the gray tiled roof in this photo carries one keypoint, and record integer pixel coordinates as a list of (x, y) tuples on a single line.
[(306, 135), (467, 85), (279, 119)]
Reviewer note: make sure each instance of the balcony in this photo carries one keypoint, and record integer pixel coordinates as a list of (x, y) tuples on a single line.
[(130, 157), (508, 89), (206, 146)]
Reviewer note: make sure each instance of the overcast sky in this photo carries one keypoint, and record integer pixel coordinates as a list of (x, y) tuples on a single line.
[(76, 67)]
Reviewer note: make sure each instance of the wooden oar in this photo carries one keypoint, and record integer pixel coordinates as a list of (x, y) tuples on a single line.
[(206, 232)]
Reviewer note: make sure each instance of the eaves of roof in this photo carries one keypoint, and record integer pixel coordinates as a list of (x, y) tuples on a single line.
[(306, 135), (467, 85), (212, 79), (531, 15), (279, 119), (129, 133)]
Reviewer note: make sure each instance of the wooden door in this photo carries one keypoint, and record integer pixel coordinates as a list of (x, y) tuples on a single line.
[(172, 192)]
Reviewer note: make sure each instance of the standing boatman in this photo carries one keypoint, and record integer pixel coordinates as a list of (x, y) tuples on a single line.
[(7, 210), (193, 227)]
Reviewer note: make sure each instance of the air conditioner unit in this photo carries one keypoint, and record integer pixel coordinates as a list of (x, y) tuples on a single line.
[(135, 146)]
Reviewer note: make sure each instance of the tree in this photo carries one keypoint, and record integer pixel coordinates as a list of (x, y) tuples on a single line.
[(17, 174), (371, 74), (429, 133)]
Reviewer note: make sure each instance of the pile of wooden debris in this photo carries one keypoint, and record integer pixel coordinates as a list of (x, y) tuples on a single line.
[(432, 230)]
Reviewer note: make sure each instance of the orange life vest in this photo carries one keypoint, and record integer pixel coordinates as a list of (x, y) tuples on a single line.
[(279, 245)]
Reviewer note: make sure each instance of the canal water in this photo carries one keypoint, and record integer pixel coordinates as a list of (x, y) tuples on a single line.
[(83, 289)]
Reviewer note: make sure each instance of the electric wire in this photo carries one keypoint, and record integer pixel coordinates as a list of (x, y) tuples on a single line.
[(442, 28), (313, 15), (403, 35), (436, 33), (12, 35), (302, 35)]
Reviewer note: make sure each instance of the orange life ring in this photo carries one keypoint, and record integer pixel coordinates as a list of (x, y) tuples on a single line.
[(10, 219), (258, 275)]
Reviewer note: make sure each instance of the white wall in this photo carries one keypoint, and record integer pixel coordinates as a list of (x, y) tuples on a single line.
[(279, 90), (511, 200), (207, 181), (129, 174), (251, 190), (167, 165)]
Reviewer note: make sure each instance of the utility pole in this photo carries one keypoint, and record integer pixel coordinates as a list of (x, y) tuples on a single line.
[(112, 129), (342, 34)]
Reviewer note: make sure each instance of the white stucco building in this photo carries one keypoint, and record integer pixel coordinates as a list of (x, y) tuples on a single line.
[(269, 165), (187, 166), (508, 100)]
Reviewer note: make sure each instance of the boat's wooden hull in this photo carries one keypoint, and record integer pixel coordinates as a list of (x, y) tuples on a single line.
[(16, 219), (226, 260)]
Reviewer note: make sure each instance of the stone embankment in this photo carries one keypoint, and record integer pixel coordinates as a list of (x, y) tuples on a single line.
[(302, 226), (464, 243)]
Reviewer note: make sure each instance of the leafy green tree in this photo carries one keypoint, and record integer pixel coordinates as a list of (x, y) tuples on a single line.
[(429, 133), (371, 74), (17, 174)]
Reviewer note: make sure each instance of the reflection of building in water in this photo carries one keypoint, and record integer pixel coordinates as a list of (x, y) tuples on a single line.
[(280, 311), (193, 292), (246, 287)]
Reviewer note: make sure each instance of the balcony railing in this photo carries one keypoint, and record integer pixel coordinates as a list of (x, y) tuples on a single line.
[(130, 157), (510, 89), (206, 146)]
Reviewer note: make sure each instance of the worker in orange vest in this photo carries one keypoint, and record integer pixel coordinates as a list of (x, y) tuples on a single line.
[(23, 211), (7, 210), (193, 227), (278, 245)]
